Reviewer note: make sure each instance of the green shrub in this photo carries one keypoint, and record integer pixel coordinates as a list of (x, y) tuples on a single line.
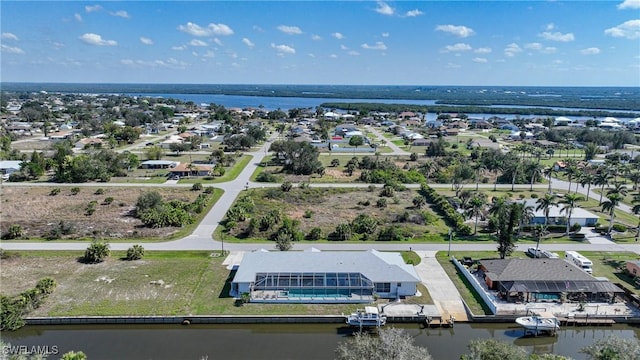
[(308, 214), (534, 195), (286, 186), (576, 227), (97, 252), (315, 234), (619, 228), (75, 190), (266, 177), (99, 191), (15, 231), (208, 190), (381, 203), (136, 252), (390, 233), (197, 187), (54, 192), (107, 200)]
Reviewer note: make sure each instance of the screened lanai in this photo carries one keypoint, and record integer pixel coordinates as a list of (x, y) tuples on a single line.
[(311, 285)]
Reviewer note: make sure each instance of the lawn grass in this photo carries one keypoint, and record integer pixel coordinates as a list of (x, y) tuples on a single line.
[(469, 295), (611, 265), (410, 257)]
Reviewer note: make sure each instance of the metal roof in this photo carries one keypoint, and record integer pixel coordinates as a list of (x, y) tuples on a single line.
[(375, 265), (534, 269)]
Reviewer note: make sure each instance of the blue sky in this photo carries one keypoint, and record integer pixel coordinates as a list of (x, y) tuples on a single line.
[(533, 43)]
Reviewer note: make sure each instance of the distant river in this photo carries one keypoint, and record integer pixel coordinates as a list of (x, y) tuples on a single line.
[(286, 103), (286, 341)]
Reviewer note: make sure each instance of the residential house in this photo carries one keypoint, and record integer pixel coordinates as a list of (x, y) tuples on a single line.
[(314, 276), (8, 167), (158, 164), (559, 217), (191, 170), (539, 280), (633, 267)]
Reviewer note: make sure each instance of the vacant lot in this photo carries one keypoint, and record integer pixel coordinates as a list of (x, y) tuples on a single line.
[(327, 207), (37, 211)]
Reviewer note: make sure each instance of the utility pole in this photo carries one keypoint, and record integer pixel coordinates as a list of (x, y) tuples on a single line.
[(450, 236)]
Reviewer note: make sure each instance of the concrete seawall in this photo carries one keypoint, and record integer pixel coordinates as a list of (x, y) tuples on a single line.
[(220, 319)]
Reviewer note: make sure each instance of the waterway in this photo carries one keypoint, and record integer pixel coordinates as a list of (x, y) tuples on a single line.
[(286, 341)]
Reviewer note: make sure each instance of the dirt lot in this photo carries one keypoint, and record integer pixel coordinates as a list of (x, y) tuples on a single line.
[(326, 208), (37, 212)]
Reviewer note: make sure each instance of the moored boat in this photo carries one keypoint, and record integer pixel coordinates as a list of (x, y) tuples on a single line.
[(369, 316), (542, 322)]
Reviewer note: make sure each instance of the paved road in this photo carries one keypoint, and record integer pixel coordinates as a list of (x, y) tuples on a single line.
[(396, 149)]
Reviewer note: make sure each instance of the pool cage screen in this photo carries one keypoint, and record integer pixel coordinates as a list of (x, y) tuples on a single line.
[(315, 284)]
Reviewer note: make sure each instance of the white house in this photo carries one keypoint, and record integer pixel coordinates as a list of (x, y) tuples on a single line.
[(557, 216), (8, 167), (315, 276)]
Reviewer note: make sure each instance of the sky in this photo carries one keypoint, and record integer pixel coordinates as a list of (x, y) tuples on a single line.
[(518, 43)]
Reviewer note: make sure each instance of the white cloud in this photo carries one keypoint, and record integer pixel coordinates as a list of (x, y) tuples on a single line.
[(385, 34), (557, 36), (248, 42), (453, 66), (179, 48), (379, 45), (95, 39), (512, 49), (479, 60), (384, 9), (283, 49), (343, 47), (197, 42), (550, 26), (457, 47), (629, 4), (78, 17), (482, 50), (629, 29), (549, 50), (457, 30), (209, 54), (9, 36), (413, 13), (194, 53), (291, 30), (11, 49), (169, 63), (121, 13), (316, 37), (93, 8), (217, 41), (57, 45), (338, 35), (211, 29), (353, 53), (533, 46), (333, 56), (590, 51), (146, 41)]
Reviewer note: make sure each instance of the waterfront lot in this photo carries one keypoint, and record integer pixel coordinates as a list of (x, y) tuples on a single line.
[(39, 212), (163, 283)]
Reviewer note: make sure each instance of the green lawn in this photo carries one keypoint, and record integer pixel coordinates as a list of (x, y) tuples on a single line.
[(611, 265), (229, 175)]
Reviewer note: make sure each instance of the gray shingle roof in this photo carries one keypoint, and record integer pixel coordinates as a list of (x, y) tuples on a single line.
[(375, 265), (534, 269)]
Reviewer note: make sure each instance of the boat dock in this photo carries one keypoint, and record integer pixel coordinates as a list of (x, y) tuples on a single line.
[(414, 313)]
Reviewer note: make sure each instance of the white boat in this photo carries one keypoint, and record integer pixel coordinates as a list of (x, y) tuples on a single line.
[(542, 322), (369, 316)]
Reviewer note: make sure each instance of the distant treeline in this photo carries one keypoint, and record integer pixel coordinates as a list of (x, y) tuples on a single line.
[(370, 107)]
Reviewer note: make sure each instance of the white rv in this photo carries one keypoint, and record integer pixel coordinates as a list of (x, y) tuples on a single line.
[(578, 260)]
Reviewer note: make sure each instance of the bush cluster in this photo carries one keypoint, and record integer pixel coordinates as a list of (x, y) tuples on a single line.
[(155, 212), (451, 216), (12, 309)]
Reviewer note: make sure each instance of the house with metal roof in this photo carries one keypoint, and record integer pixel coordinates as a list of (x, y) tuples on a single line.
[(315, 276), (557, 216), (538, 280)]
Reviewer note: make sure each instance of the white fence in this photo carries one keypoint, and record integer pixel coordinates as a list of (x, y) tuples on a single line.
[(473, 280)]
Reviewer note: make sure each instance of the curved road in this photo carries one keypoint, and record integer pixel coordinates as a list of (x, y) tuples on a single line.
[(201, 238)]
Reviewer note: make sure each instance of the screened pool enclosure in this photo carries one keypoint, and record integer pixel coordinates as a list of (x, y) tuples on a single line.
[(311, 285)]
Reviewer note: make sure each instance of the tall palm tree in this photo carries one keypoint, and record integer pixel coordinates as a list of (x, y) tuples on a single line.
[(571, 170), (610, 205), (570, 201), (478, 167), (526, 214), (635, 179), (602, 179), (535, 170), (545, 203), (587, 179), (619, 189), (636, 210), (475, 208), (548, 172)]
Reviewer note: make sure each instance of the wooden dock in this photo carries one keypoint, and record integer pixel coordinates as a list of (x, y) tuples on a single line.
[(586, 321)]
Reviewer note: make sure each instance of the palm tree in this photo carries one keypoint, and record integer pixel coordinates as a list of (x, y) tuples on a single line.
[(548, 172), (545, 203), (619, 189), (587, 178), (636, 210), (535, 169), (610, 205), (635, 179), (590, 151), (570, 201), (602, 179), (475, 208), (571, 169), (478, 167), (526, 215)]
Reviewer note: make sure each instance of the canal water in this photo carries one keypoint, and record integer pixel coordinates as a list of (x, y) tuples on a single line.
[(285, 341)]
